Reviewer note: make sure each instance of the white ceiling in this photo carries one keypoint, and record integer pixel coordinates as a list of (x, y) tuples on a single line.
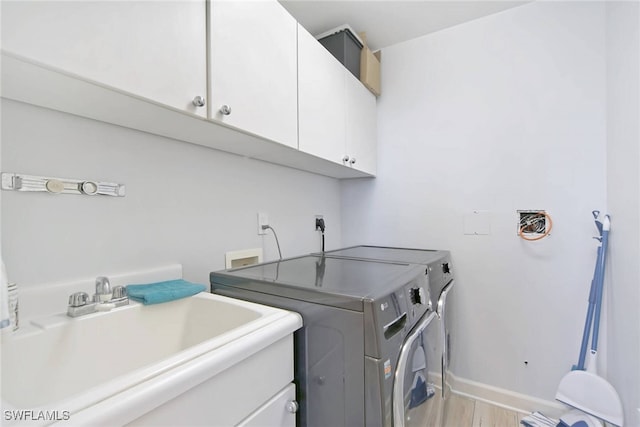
[(388, 22)]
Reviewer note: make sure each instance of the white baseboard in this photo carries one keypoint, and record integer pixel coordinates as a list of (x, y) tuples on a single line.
[(505, 398)]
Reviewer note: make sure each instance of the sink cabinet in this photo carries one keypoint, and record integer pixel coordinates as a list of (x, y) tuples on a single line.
[(201, 360), (279, 411), (253, 68), (254, 392), (116, 44)]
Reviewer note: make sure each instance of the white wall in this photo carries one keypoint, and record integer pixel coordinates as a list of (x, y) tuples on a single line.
[(184, 203), (507, 112), (623, 199), (504, 113)]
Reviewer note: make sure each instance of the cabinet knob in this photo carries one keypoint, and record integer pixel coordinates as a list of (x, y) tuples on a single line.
[(198, 101), (345, 159), (225, 110), (292, 406), (352, 161)]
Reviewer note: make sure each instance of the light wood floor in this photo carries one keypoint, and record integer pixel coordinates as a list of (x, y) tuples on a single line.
[(460, 411)]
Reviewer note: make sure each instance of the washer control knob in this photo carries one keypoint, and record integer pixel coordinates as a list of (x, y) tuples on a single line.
[(446, 268), (417, 296), (292, 406)]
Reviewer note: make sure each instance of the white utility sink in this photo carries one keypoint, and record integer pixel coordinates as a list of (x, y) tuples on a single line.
[(117, 366)]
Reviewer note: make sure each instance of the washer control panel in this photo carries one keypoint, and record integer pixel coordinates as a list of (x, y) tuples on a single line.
[(418, 296)]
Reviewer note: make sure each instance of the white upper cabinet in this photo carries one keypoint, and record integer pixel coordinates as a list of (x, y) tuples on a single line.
[(279, 94), (253, 80), (337, 114), (152, 49), (361, 114), (321, 100)]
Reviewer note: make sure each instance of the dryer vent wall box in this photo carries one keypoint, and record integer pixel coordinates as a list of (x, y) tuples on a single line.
[(243, 258)]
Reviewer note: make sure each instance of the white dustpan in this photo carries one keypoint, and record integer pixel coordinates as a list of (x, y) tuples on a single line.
[(592, 394)]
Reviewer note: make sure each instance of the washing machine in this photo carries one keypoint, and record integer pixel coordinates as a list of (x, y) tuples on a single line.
[(363, 356), (441, 281)]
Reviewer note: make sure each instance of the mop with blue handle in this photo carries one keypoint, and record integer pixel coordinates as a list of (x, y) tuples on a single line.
[(584, 389), (593, 296)]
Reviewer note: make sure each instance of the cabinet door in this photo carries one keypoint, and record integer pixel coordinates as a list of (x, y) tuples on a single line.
[(361, 146), (275, 412), (321, 100), (253, 68), (154, 49)]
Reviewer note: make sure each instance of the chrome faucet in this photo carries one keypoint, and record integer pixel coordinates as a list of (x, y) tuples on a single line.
[(103, 290), (104, 299)]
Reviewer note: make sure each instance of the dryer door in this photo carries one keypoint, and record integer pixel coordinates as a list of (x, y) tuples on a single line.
[(416, 401), (444, 345)]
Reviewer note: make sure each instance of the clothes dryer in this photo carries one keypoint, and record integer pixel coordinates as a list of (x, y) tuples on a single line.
[(440, 270)]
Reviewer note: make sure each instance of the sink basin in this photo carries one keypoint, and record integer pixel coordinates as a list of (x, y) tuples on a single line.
[(62, 364)]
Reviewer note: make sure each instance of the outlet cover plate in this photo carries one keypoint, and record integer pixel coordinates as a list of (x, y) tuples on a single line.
[(263, 219)]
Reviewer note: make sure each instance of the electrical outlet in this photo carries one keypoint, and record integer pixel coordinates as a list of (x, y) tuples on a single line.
[(263, 219), (316, 225)]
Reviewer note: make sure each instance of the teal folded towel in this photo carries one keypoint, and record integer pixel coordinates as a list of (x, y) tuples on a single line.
[(156, 293)]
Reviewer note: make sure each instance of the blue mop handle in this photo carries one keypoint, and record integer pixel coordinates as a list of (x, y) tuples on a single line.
[(589, 320), (600, 282)]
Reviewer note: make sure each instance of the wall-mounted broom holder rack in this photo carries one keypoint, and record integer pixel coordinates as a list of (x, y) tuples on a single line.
[(20, 182)]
